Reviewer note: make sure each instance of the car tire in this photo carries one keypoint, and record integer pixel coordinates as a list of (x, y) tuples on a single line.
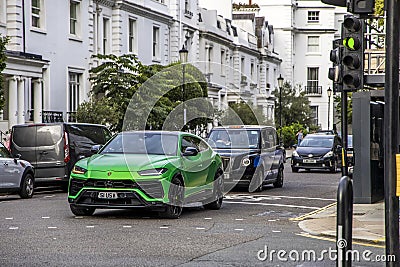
[(173, 209), (294, 169), (27, 186), (279, 179), (256, 183), (218, 195), (333, 169), (82, 211)]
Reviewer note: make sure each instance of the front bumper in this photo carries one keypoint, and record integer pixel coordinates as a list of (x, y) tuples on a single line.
[(316, 163)]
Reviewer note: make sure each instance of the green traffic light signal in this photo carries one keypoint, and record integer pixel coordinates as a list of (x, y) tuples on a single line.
[(351, 43)]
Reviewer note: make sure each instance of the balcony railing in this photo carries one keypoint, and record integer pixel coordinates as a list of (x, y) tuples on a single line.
[(71, 116), (313, 90), (52, 116)]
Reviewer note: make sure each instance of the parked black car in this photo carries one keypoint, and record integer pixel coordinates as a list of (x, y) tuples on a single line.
[(317, 151), (53, 148), (250, 154)]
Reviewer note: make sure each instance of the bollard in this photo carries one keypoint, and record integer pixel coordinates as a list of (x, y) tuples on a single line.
[(344, 222)]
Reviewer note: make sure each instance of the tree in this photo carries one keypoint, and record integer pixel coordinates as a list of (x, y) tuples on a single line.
[(98, 111), (295, 106), (338, 107), (3, 58), (243, 113)]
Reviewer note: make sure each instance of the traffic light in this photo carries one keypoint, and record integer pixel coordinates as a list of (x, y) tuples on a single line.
[(335, 73), (362, 7), (352, 60)]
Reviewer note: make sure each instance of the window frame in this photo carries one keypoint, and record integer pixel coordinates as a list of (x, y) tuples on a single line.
[(74, 21), (313, 16), (313, 44), (132, 35), (74, 90), (106, 42), (312, 82), (156, 45)]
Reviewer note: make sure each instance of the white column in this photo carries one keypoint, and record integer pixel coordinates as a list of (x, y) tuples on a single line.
[(12, 101), (37, 101), (21, 101)]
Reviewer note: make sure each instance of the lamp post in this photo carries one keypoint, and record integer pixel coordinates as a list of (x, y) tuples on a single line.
[(183, 56), (280, 84), (329, 91)]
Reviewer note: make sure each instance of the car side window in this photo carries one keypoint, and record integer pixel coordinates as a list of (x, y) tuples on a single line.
[(269, 138), (187, 141), (200, 145), (4, 153)]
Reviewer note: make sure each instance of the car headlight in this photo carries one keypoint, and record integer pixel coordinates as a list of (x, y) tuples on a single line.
[(153, 172), (78, 170), (246, 162), (329, 154), (295, 154)]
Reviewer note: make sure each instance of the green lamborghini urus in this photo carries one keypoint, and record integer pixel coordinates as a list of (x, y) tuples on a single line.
[(158, 170)]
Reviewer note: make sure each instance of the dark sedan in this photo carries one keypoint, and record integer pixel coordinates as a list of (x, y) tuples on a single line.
[(317, 151)]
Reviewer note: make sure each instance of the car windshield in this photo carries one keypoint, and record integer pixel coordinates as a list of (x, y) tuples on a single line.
[(143, 143), (350, 141), (234, 138), (316, 142)]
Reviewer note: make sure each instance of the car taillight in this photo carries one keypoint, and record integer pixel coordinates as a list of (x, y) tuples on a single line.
[(66, 148)]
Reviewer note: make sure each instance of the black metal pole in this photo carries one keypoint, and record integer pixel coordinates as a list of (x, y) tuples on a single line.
[(183, 96), (344, 133), (280, 114), (391, 128), (329, 109)]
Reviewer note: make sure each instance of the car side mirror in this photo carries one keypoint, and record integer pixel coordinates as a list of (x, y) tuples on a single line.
[(18, 156), (95, 148), (294, 146), (190, 151)]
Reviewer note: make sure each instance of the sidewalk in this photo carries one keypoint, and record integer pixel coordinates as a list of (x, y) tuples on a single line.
[(368, 222)]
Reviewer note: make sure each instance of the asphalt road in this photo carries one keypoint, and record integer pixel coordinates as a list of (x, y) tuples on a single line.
[(43, 232)]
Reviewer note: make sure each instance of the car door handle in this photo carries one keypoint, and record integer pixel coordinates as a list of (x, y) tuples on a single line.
[(44, 153)]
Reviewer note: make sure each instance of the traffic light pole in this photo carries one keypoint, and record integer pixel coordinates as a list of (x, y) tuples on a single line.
[(345, 171), (391, 128)]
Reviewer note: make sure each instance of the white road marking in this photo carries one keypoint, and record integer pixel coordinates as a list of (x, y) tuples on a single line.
[(127, 226), (45, 217), (200, 228), (52, 227), (238, 229), (89, 226), (274, 231), (49, 196), (238, 219), (270, 204), (272, 220), (78, 217), (270, 197), (163, 227), (207, 218), (10, 218), (13, 228)]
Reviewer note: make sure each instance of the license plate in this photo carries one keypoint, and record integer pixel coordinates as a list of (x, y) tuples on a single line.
[(309, 161), (108, 195)]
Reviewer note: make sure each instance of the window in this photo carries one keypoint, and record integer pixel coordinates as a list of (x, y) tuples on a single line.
[(132, 36), (106, 36), (73, 91), (313, 16), (314, 115), (223, 62), (3, 9), (74, 18), (209, 58), (313, 44), (312, 78), (252, 71), (36, 5), (156, 42)]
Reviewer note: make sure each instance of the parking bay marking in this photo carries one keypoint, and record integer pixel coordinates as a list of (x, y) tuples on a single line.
[(270, 197), (271, 204)]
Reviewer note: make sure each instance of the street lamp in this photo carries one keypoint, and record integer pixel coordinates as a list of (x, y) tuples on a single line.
[(329, 91), (183, 56), (280, 84)]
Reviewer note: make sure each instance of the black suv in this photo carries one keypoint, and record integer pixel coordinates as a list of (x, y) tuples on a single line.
[(250, 154), (53, 148)]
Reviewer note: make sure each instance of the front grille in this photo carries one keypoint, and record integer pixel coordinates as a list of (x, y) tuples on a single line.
[(313, 157), (225, 163), (77, 184), (153, 189), (124, 198)]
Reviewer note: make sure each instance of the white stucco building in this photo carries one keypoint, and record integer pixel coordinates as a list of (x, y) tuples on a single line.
[(52, 43)]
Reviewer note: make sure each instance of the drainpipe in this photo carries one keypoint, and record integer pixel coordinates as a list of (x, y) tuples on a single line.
[(23, 26)]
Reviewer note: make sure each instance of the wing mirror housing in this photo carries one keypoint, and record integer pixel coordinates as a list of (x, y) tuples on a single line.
[(190, 151)]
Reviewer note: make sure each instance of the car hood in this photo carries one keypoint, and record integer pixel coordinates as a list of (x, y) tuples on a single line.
[(316, 151), (236, 152), (126, 162)]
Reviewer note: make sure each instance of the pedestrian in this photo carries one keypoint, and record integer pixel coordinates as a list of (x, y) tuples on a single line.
[(299, 136)]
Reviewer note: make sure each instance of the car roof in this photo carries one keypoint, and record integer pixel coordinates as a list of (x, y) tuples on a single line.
[(58, 123), (240, 127), (322, 136), (159, 132)]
